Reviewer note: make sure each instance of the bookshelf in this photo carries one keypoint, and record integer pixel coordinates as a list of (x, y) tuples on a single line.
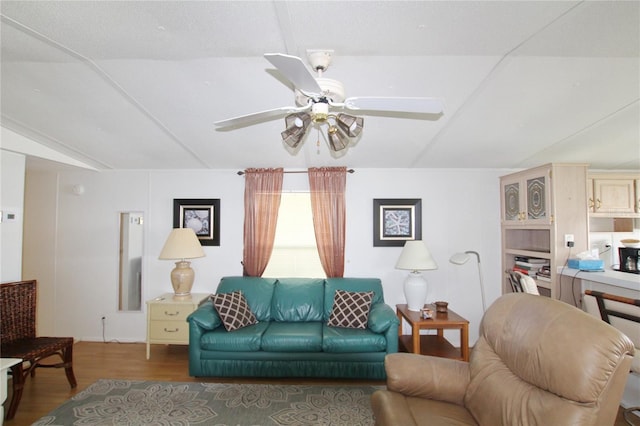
[(539, 206)]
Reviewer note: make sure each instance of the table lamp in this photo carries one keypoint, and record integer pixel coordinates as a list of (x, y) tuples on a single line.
[(461, 259), (182, 244), (415, 257)]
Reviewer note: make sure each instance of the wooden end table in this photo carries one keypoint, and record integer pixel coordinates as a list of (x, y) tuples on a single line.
[(430, 344)]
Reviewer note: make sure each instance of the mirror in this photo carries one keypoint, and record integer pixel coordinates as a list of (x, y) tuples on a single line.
[(130, 276)]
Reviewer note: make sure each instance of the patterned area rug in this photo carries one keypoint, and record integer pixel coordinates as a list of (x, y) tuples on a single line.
[(124, 402)]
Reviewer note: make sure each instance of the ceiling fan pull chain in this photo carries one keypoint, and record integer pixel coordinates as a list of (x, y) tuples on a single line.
[(318, 143)]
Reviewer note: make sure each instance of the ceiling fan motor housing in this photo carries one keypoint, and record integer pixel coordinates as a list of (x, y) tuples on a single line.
[(331, 89)]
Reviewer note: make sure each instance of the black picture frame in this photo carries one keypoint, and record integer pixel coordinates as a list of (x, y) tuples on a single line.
[(396, 221), (202, 215)]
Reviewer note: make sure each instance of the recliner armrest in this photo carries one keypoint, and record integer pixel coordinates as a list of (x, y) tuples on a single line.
[(428, 377), (205, 316)]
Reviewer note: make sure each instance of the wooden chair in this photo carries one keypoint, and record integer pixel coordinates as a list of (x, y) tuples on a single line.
[(624, 314), (18, 339)]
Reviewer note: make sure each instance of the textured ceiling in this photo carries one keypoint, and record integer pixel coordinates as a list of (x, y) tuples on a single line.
[(138, 85)]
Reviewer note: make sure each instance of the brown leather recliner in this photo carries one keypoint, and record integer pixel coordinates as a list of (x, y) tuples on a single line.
[(537, 361)]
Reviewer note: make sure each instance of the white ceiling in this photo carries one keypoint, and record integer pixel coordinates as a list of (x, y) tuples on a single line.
[(138, 85)]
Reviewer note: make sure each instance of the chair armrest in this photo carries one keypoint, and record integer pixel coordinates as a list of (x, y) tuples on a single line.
[(205, 316), (381, 317), (428, 377)]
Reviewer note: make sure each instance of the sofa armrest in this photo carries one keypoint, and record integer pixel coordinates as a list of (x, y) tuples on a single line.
[(205, 316), (381, 317), (428, 377)]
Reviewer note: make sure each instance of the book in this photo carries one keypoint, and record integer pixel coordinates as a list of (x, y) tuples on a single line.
[(532, 260), (529, 266), (543, 278), (516, 268)]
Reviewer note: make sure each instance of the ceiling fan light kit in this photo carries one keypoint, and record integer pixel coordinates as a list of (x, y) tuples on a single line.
[(349, 124), (297, 125), (337, 140), (315, 97)]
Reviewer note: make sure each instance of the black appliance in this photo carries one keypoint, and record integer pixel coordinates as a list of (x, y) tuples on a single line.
[(629, 259)]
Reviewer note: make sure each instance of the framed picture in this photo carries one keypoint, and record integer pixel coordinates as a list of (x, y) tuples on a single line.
[(396, 221), (203, 216)]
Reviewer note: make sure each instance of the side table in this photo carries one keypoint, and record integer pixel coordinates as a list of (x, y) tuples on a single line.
[(5, 365), (435, 345), (167, 318)]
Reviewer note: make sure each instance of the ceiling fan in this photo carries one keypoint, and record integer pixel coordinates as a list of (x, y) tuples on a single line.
[(317, 98)]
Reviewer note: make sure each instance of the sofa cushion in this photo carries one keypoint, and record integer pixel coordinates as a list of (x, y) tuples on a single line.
[(298, 299), (233, 310), (349, 340), (350, 284), (350, 309), (257, 291), (246, 339), (293, 337)]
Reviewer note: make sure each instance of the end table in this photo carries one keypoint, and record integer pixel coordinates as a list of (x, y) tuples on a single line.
[(435, 345), (167, 318)]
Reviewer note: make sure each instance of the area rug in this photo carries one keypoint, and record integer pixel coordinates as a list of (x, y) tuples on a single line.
[(135, 403)]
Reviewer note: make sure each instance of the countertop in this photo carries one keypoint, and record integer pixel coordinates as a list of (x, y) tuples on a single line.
[(616, 278)]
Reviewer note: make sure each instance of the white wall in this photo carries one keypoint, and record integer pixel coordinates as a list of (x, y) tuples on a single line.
[(11, 207), (73, 249)]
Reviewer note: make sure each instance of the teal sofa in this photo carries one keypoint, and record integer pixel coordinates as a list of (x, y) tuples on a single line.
[(292, 338)]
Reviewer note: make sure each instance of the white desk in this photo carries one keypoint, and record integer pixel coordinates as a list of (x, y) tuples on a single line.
[(621, 284), (613, 282), (5, 365)]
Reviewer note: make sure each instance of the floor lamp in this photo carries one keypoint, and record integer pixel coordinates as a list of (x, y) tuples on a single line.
[(461, 259)]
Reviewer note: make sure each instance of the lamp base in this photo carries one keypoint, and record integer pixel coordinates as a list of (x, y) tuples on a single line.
[(415, 291), (182, 278)]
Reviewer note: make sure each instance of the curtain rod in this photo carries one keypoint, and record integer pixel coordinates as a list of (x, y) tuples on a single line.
[(240, 173)]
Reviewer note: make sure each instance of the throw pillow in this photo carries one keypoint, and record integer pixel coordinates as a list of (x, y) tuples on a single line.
[(233, 310), (350, 309)]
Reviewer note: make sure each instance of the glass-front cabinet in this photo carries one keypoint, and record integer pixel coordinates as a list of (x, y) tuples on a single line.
[(534, 227), (526, 198)]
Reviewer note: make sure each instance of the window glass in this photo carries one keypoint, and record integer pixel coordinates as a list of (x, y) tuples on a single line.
[(295, 253)]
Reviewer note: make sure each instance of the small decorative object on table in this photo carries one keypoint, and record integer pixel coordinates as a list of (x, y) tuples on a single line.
[(426, 313), (441, 307)]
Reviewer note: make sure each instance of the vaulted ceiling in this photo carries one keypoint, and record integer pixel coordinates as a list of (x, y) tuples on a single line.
[(138, 85)]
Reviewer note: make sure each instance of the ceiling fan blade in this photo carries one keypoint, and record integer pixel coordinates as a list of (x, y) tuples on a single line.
[(245, 120), (296, 71), (414, 105)]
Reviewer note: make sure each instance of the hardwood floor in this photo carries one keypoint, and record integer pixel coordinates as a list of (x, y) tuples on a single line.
[(94, 360)]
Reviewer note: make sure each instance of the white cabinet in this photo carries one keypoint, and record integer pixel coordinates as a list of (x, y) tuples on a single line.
[(526, 198), (167, 318), (539, 207), (614, 195)]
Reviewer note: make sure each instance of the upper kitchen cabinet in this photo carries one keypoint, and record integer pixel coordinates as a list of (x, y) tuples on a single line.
[(614, 194)]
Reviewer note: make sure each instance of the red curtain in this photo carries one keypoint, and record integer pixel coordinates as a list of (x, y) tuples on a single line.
[(262, 191), (327, 186)]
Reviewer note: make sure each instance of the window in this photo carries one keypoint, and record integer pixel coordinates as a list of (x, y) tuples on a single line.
[(295, 253)]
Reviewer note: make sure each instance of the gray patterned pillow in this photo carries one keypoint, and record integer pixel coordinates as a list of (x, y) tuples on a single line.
[(233, 310), (350, 309)]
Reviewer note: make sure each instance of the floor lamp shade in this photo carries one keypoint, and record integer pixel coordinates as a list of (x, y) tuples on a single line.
[(461, 259), (182, 244), (415, 257)]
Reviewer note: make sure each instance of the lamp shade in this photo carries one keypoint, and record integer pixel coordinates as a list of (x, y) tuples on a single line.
[(461, 259), (337, 140), (182, 243), (350, 125), (415, 256)]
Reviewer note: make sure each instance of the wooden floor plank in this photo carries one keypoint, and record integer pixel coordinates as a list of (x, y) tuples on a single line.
[(96, 360)]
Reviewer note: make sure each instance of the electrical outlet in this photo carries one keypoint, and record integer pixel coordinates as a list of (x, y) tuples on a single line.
[(568, 240)]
